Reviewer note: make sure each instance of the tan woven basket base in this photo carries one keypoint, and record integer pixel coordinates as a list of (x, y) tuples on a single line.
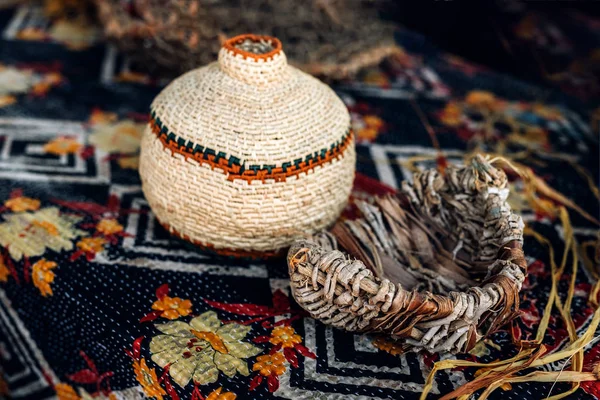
[(208, 208), (225, 252)]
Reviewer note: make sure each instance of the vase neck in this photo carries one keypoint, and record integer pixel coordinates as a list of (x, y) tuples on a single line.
[(253, 59)]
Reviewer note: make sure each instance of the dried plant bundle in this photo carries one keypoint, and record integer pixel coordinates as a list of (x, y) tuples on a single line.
[(439, 265), (333, 38)]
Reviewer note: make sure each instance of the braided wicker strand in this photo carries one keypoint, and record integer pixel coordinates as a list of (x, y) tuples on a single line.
[(347, 293)]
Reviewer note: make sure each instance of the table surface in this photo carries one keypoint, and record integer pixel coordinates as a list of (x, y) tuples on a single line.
[(88, 279)]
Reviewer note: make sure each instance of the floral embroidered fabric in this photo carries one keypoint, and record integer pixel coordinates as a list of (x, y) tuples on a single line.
[(98, 301)]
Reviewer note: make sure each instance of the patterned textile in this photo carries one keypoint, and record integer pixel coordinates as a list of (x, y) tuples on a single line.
[(97, 301)]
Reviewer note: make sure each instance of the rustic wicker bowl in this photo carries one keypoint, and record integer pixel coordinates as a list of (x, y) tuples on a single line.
[(439, 266)]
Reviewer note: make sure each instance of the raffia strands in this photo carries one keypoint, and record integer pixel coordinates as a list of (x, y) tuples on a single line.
[(506, 370), (248, 153), (543, 325), (532, 355), (538, 186), (327, 38), (592, 263), (453, 234), (589, 252)]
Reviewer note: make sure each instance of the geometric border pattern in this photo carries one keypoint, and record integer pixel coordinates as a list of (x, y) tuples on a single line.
[(22, 157), (25, 367)]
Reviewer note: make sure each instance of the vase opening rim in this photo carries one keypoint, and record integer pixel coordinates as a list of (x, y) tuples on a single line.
[(254, 46)]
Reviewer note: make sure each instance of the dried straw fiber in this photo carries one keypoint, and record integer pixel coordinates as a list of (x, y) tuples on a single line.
[(333, 39), (248, 153)]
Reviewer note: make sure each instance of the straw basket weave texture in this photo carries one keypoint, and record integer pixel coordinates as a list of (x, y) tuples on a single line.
[(248, 153), (441, 264)]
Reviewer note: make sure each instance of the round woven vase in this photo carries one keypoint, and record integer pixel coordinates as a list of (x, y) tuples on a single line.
[(247, 154)]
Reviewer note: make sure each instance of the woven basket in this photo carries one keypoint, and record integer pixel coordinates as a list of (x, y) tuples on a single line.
[(439, 266), (247, 154), (333, 38)]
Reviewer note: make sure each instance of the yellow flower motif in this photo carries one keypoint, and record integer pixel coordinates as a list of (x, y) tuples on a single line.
[(7, 100), (367, 133), (15, 81), (132, 162), (61, 146), (101, 117), (270, 363), (369, 127), (389, 346), (451, 114), (376, 77), (173, 307), (20, 204), (148, 379), (43, 276), (92, 244), (551, 113), (285, 336), (480, 98), (109, 226), (53, 78), (121, 137), (202, 348), (22, 237), (533, 137), (134, 77), (47, 225), (75, 35), (31, 34), (373, 121), (217, 395), (536, 134), (63, 9), (49, 80), (213, 339), (65, 392), (54, 8), (4, 271)]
